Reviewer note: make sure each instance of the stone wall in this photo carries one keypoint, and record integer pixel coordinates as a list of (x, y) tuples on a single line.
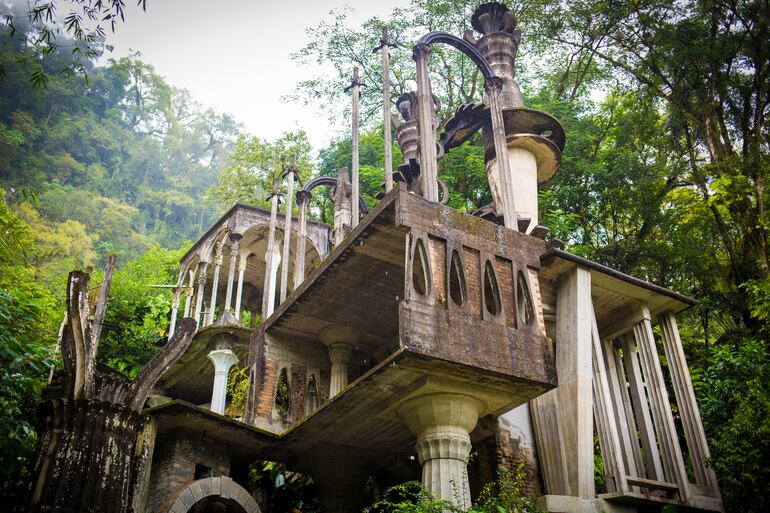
[(174, 466)]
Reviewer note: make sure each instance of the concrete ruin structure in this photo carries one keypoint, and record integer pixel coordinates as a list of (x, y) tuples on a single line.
[(392, 345)]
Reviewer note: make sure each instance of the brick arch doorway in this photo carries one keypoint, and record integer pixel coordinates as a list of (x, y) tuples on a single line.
[(214, 495)]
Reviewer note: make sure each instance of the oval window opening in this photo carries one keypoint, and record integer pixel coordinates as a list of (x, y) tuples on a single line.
[(456, 280), (491, 291), (311, 396), (419, 269), (524, 300)]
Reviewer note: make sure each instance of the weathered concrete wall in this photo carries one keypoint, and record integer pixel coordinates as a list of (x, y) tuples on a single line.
[(301, 361)]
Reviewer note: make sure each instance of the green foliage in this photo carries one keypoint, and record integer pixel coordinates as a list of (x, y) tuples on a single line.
[(137, 316), (504, 495), (28, 324), (237, 389)]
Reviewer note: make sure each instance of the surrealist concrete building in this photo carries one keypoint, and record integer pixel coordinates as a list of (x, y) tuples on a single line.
[(391, 344)]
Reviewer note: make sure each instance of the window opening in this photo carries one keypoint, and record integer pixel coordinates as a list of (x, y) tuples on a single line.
[(457, 290), (491, 290), (524, 300), (283, 393), (420, 269)]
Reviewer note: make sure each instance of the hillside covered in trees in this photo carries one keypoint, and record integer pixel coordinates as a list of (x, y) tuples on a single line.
[(664, 177)]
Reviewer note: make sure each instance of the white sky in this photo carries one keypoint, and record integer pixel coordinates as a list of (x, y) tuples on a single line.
[(233, 55)]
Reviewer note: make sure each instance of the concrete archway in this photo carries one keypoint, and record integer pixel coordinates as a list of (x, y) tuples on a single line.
[(232, 496)]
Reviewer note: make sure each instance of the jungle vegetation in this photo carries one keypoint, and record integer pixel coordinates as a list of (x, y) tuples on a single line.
[(664, 176)]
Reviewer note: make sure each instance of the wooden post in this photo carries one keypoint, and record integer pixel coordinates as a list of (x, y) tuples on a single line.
[(303, 199), (355, 85), (385, 45), (688, 407), (287, 232), (266, 300), (428, 163), (493, 87)]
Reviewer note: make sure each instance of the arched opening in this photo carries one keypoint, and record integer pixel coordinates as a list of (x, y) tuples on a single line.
[(215, 495), (311, 396), (420, 269), (491, 290), (524, 300), (283, 393), (457, 289)]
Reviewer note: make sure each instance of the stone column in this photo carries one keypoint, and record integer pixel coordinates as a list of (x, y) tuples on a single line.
[(235, 246), (340, 340), (222, 359), (272, 281), (215, 283), (189, 293), (428, 163), (239, 291), (202, 266), (287, 232), (174, 311), (442, 423), (303, 199), (268, 301)]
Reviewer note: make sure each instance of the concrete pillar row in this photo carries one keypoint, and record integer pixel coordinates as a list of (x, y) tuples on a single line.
[(340, 340), (442, 423)]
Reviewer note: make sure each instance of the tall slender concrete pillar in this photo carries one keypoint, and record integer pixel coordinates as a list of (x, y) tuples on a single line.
[(189, 293), (174, 312), (268, 300), (574, 324), (287, 232), (235, 247), (442, 423), (340, 340), (215, 283), (428, 155), (197, 315), (239, 290), (272, 280), (222, 359), (303, 199), (493, 88)]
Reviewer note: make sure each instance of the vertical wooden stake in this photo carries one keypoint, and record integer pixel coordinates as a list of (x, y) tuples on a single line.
[(493, 87)]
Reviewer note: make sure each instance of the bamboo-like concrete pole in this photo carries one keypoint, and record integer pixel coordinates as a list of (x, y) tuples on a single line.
[(303, 199), (493, 86), (355, 85), (266, 299), (384, 47), (428, 163), (287, 232)]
